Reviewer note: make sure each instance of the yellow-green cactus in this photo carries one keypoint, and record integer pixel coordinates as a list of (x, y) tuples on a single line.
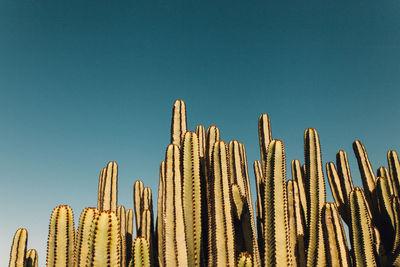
[(362, 239), (18, 248), (138, 188), (222, 236), (174, 239), (337, 252), (105, 241), (191, 193), (82, 249), (61, 241), (179, 124), (315, 187), (129, 234), (276, 229), (31, 259), (141, 254), (122, 223), (244, 260)]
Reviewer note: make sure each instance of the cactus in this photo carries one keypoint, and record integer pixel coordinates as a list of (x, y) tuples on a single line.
[(244, 260), (361, 230), (18, 249), (121, 214), (108, 182), (276, 229), (297, 175), (60, 244), (138, 188), (141, 254), (105, 241), (129, 234), (394, 167), (161, 214), (82, 249), (31, 259), (179, 124)]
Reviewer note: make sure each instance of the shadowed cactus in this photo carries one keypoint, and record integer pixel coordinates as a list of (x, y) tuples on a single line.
[(178, 125), (108, 187), (129, 234), (60, 244), (121, 214), (31, 259), (18, 248), (394, 167), (244, 260), (82, 249), (138, 188), (140, 252)]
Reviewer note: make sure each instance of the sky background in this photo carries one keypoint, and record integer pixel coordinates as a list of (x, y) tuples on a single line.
[(86, 82)]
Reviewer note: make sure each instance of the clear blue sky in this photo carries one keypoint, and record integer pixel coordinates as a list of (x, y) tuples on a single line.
[(86, 82)]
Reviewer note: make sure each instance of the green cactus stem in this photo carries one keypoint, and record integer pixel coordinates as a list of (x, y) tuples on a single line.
[(276, 229), (297, 175), (362, 239), (191, 196), (222, 237), (174, 238), (31, 259), (264, 135), (100, 191), (18, 248), (244, 260), (141, 254), (105, 241), (179, 124), (384, 172), (147, 231), (82, 250), (337, 252), (60, 244), (315, 188)]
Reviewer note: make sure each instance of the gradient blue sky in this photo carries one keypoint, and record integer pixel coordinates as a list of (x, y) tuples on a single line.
[(86, 82)]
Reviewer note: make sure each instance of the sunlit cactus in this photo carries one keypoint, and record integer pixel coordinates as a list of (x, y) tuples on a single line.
[(140, 252), (82, 248), (244, 260), (61, 240), (31, 259), (108, 185), (18, 248)]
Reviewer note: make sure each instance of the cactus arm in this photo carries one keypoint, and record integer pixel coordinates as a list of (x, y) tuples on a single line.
[(178, 124), (244, 260), (18, 248), (201, 134), (297, 175), (260, 199), (110, 183), (129, 234), (192, 196), (394, 167), (361, 230), (337, 253), (100, 194), (141, 253), (138, 188), (31, 259), (60, 244), (343, 171), (175, 240), (367, 173), (276, 227), (384, 172), (121, 214), (82, 249), (160, 213), (396, 212), (147, 231), (316, 193), (223, 243), (264, 135), (105, 241)]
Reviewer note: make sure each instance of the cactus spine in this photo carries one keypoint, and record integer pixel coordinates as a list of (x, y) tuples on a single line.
[(60, 244)]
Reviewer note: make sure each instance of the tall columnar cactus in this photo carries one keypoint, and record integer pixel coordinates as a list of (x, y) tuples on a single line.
[(31, 259), (265, 136), (222, 236), (100, 190), (337, 252), (191, 193), (259, 204), (105, 241), (82, 249), (18, 248), (394, 167), (138, 188), (276, 229), (60, 244), (108, 185), (174, 238), (121, 214), (179, 124), (129, 234), (141, 254), (161, 215), (298, 177), (315, 187), (361, 230), (384, 172)]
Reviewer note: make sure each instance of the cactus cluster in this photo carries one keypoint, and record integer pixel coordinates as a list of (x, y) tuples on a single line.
[(205, 214)]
